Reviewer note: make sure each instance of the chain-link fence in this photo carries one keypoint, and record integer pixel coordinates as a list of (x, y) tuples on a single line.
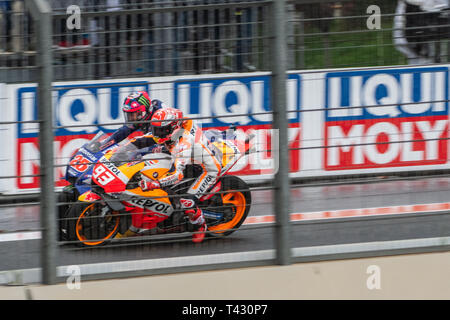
[(223, 64), (116, 39), (135, 38)]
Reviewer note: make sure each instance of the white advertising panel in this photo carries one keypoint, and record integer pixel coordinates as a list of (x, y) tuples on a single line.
[(340, 121)]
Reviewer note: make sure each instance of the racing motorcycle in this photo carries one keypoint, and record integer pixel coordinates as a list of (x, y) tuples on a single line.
[(78, 175), (114, 201)]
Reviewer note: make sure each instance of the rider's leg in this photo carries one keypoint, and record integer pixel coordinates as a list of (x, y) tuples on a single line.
[(211, 169), (195, 215)]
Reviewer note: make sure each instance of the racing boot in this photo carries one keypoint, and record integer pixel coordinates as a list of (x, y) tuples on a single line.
[(196, 218), (198, 221), (129, 233)]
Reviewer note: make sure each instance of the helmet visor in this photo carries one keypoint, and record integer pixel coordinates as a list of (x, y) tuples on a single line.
[(133, 116), (161, 132)]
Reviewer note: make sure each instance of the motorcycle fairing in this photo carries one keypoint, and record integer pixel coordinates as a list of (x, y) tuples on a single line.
[(89, 196)]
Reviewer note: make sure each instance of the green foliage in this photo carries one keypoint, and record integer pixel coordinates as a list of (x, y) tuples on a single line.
[(345, 40)]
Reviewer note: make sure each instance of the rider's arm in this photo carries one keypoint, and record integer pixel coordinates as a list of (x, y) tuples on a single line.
[(119, 135), (145, 141), (182, 155)]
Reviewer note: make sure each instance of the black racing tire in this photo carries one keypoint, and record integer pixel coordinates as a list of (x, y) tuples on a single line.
[(238, 199), (86, 229), (66, 199)]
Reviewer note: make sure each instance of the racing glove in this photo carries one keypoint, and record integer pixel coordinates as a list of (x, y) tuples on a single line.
[(157, 149), (146, 184)]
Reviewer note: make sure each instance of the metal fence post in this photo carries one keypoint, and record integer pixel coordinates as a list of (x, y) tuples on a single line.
[(280, 124), (42, 16)]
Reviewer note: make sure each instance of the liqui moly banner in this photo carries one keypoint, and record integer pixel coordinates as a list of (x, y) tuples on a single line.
[(80, 111), (243, 102), (83, 108), (386, 118), (340, 121)]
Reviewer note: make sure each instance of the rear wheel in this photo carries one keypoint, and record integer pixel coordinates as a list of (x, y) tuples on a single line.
[(93, 224), (236, 202)]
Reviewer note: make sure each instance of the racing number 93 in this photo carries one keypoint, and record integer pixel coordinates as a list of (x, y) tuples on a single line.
[(102, 176)]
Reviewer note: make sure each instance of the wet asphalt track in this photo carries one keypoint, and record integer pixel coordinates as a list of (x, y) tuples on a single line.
[(25, 253)]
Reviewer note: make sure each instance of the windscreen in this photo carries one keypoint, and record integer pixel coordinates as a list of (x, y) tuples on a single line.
[(125, 153), (96, 142)]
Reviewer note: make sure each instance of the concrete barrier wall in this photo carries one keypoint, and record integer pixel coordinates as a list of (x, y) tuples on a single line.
[(419, 276)]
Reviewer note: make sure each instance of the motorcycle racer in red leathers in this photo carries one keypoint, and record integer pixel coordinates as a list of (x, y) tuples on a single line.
[(188, 145)]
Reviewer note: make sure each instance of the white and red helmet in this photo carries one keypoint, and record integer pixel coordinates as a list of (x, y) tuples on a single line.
[(164, 122)]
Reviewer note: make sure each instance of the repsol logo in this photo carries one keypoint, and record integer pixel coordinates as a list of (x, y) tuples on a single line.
[(111, 167), (152, 204), (204, 184)]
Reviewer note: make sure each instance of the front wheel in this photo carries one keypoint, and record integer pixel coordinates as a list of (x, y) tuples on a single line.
[(236, 202), (92, 224), (66, 199)]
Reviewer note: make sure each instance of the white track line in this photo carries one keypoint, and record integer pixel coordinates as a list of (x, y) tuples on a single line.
[(344, 213)]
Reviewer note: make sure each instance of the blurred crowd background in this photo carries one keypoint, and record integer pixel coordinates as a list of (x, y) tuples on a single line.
[(131, 38)]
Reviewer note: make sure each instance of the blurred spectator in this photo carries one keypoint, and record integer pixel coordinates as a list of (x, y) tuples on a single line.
[(88, 35), (196, 40), (66, 38), (245, 19), (419, 25), (5, 25), (161, 37), (111, 37), (94, 28), (15, 27)]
